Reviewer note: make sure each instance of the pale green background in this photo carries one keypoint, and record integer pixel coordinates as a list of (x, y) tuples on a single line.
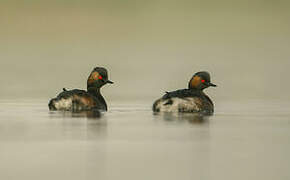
[(148, 46)]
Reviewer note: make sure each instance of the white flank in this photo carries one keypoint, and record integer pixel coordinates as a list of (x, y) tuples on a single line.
[(187, 104), (63, 104)]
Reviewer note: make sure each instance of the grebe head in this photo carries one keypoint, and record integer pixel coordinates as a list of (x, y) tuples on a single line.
[(200, 80), (98, 78)]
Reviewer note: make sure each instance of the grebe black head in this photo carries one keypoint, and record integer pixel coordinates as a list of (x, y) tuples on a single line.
[(98, 78), (200, 80)]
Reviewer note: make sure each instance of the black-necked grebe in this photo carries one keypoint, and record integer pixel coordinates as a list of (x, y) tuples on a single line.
[(192, 99), (80, 100)]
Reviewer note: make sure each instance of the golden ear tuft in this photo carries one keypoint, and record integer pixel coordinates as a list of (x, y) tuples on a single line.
[(93, 77), (195, 81)]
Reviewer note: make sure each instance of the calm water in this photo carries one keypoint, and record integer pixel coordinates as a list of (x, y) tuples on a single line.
[(243, 140)]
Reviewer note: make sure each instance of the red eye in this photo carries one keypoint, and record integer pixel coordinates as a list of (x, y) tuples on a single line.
[(203, 81), (100, 77)]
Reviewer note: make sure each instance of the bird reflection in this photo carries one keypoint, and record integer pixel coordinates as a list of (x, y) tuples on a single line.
[(193, 118), (94, 114)]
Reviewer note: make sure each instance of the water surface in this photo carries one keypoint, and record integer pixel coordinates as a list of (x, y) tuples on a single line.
[(243, 140)]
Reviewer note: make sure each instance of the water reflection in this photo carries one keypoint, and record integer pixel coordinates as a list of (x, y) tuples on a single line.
[(82, 125), (193, 118), (95, 114)]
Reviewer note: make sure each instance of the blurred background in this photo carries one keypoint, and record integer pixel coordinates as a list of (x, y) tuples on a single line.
[(148, 46)]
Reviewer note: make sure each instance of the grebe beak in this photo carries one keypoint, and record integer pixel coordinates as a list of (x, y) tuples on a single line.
[(110, 82), (211, 84)]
